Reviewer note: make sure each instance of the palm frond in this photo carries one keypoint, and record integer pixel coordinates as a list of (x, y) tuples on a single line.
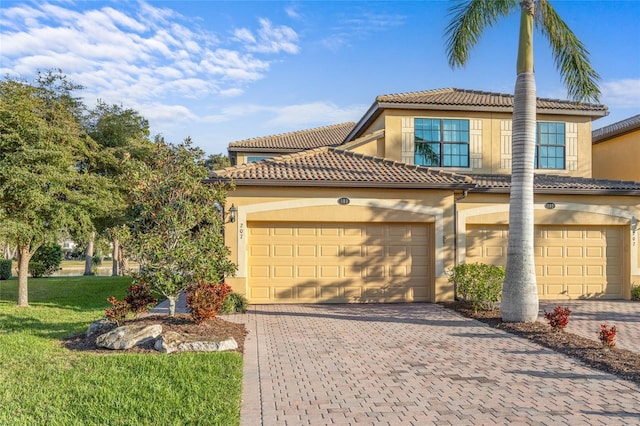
[(570, 55), (469, 18)]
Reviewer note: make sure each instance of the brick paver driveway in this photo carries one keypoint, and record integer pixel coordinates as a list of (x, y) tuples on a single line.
[(414, 364)]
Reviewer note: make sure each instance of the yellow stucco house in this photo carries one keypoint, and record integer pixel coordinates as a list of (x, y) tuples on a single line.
[(616, 150), (379, 210)]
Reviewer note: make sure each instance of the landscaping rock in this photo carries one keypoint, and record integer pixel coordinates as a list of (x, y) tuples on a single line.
[(100, 327), (171, 342), (128, 336)]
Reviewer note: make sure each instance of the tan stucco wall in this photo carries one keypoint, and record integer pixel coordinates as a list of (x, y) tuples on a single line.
[(321, 205), (570, 210), (490, 137), (618, 158)]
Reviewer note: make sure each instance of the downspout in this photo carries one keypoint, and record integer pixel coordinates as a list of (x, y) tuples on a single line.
[(465, 192)]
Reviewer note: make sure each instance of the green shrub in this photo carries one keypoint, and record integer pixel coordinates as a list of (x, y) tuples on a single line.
[(478, 283), (234, 303), (635, 292), (5, 269), (206, 300), (46, 260)]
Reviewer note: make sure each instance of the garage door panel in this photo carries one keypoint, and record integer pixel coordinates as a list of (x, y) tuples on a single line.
[(571, 261), (338, 262)]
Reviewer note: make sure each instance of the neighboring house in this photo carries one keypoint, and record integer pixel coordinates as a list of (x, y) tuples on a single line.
[(418, 185), (256, 149), (616, 150)]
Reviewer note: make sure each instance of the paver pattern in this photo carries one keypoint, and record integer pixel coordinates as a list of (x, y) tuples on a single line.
[(417, 364)]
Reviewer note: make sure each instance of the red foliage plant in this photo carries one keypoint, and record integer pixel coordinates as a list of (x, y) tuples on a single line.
[(206, 299), (139, 298), (118, 312), (607, 336), (558, 318)]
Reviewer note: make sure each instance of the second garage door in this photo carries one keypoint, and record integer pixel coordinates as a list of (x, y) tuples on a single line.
[(346, 262), (571, 261)]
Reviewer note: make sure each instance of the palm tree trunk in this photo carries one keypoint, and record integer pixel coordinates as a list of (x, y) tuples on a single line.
[(520, 292)]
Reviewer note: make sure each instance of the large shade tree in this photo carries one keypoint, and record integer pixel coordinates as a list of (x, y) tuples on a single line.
[(122, 135), (468, 21), (45, 187)]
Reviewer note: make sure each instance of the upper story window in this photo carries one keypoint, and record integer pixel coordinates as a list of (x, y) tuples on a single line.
[(550, 146), (253, 159), (441, 142)]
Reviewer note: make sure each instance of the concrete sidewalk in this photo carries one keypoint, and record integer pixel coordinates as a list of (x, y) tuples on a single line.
[(419, 364)]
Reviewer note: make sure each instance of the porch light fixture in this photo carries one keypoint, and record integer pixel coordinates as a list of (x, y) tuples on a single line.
[(232, 213), (550, 206)]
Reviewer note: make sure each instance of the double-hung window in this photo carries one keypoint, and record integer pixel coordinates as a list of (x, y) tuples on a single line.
[(441, 142), (550, 146)]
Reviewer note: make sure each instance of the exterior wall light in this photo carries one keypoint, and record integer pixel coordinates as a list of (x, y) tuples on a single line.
[(550, 206), (232, 213)]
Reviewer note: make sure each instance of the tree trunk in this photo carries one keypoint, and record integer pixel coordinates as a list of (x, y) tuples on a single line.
[(88, 256), (520, 292), (172, 305), (114, 257), (123, 263), (24, 256)]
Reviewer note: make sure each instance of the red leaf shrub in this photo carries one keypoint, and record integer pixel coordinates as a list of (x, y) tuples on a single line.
[(558, 318), (206, 299), (607, 336), (118, 312), (139, 298)]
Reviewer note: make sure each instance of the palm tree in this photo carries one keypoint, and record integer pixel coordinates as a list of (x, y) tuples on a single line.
[(469, 19)]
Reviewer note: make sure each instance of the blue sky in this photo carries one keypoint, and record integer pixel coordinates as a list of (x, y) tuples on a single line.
[(225, 71)]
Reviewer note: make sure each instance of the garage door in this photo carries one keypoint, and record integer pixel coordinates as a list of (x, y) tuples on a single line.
[(571, 261), (346, 262)]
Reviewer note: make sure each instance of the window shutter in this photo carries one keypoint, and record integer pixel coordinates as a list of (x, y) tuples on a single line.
[(505, 144), (475, 140), (407, 140), (571, 146)]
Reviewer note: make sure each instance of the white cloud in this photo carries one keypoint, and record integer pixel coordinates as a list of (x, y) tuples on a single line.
[(623, 93), (137, 53), (315, 114), (269, 39)]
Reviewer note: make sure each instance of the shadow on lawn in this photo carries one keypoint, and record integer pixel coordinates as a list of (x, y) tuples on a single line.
[(49, 329)]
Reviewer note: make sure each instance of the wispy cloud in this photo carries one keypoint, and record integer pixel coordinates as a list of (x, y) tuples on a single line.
[(269, 39), (623, 93), (348, 28)]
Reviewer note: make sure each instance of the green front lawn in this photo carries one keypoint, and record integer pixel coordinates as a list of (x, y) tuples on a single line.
[(41, 382)]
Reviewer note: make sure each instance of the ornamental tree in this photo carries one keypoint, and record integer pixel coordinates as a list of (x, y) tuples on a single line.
[(176, 232)]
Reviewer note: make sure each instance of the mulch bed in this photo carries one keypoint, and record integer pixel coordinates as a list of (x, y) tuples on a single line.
[(620, 362), (216, 329)]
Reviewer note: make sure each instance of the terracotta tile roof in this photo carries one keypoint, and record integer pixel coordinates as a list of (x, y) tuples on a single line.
[(336, 167), (627, 125), (473, 101), (557, 184), (297, 141), (460, 97)]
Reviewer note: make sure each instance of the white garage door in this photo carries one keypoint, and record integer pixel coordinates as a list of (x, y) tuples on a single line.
[(571, 261), (339, 262)]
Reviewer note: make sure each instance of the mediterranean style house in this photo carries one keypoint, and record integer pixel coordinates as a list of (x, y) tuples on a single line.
[(616, 150), (379, 210)]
